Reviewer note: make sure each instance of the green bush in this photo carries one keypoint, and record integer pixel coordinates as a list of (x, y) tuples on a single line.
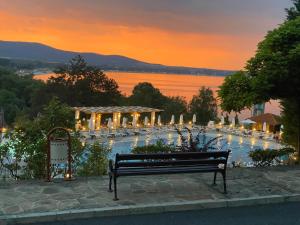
[(24, 154), (158, 147), (265, 157), (94, 162)]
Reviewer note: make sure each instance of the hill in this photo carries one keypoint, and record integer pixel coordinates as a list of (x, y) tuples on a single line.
[(29, 51)]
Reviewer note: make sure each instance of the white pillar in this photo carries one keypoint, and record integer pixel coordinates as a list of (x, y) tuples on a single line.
[(77, 115), (115, 120), (119, 120), (92, 122), (135, 117), (152, 119), (98, 121)]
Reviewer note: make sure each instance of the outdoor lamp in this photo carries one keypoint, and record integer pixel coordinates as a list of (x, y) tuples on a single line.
[(67, 176)]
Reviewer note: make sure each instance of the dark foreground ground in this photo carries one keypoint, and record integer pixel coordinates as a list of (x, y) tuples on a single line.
[(275, 214), (34, 196)]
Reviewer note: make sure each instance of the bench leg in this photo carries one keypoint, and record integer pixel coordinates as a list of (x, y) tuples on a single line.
[(224, 182), (115, 189), (215, 177), (110, 181)]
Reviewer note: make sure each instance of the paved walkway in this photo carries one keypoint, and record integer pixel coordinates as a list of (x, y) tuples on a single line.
[(19, 197)]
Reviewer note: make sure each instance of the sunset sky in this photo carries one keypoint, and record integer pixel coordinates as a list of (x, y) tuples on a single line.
[(219, 34)]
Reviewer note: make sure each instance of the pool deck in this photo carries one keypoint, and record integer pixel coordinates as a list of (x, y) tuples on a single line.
[(29, 201)]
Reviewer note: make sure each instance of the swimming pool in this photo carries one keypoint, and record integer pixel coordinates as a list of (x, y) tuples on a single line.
[(240, 146)]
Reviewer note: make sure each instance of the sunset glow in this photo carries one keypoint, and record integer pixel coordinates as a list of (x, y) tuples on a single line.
[(185, 33)]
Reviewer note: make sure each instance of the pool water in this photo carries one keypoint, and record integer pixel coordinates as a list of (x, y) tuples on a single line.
[(240, 146)]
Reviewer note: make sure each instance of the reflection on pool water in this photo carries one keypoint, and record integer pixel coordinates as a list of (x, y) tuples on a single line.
[(240, 146)]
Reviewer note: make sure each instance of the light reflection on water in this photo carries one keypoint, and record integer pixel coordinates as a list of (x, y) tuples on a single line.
[(240, 146)]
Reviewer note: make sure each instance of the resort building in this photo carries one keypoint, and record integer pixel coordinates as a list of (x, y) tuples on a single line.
[(112, 117), (258, 109), (267, 122)]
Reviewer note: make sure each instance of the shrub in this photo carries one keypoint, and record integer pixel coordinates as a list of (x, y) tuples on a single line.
[(158, 147), (265, 157), (24, 154), (94, 161)]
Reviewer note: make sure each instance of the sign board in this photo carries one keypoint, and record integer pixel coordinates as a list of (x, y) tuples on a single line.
[(58, 151)]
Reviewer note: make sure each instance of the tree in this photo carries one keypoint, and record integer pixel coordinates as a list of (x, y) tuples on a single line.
[(174, 106), (56, 114), (273, 73), (291, 121), (226, 119), (16, 93), (293, 12), (236, 92), (204, 105), (79, 84), (145, 94)]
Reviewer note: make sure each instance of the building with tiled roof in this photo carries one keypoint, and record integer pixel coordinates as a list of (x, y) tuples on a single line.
[(273, 122)]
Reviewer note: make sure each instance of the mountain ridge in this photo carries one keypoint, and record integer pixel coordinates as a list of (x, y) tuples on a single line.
[(40, 52)]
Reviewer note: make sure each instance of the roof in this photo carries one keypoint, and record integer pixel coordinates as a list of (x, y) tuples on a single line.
[(269, 118), (114, 109)]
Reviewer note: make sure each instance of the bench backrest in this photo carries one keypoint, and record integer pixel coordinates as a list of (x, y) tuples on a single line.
[(171, 159)]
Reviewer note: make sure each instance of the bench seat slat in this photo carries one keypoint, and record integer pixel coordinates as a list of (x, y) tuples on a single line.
[(170, 162), (166, 170)]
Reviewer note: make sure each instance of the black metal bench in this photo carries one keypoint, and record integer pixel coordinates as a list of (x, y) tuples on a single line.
[(168, 163)]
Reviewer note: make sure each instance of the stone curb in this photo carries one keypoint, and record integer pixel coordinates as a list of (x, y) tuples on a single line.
[(144, 209)]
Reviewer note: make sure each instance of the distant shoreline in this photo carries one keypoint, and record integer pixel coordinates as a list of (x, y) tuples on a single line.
[(144, 72)]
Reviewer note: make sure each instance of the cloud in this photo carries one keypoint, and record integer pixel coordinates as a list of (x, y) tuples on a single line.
[(201, 33), (230, 17)]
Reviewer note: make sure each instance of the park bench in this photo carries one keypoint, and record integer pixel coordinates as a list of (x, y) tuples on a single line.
[(167, 163)]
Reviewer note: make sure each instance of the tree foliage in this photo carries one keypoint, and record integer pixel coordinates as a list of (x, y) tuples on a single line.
[(79, 84), (273, 73), (293, 12), (94, 161), (16, 93), (26, 148), (145, 94), (174, 106), (204, 105), (274, 70), (291, 121), (236, 92)]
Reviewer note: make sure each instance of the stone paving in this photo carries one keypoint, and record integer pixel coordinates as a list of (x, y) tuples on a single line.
[(19, 197)]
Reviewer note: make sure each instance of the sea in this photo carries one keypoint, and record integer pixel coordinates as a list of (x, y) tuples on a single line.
[(184, 85)]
